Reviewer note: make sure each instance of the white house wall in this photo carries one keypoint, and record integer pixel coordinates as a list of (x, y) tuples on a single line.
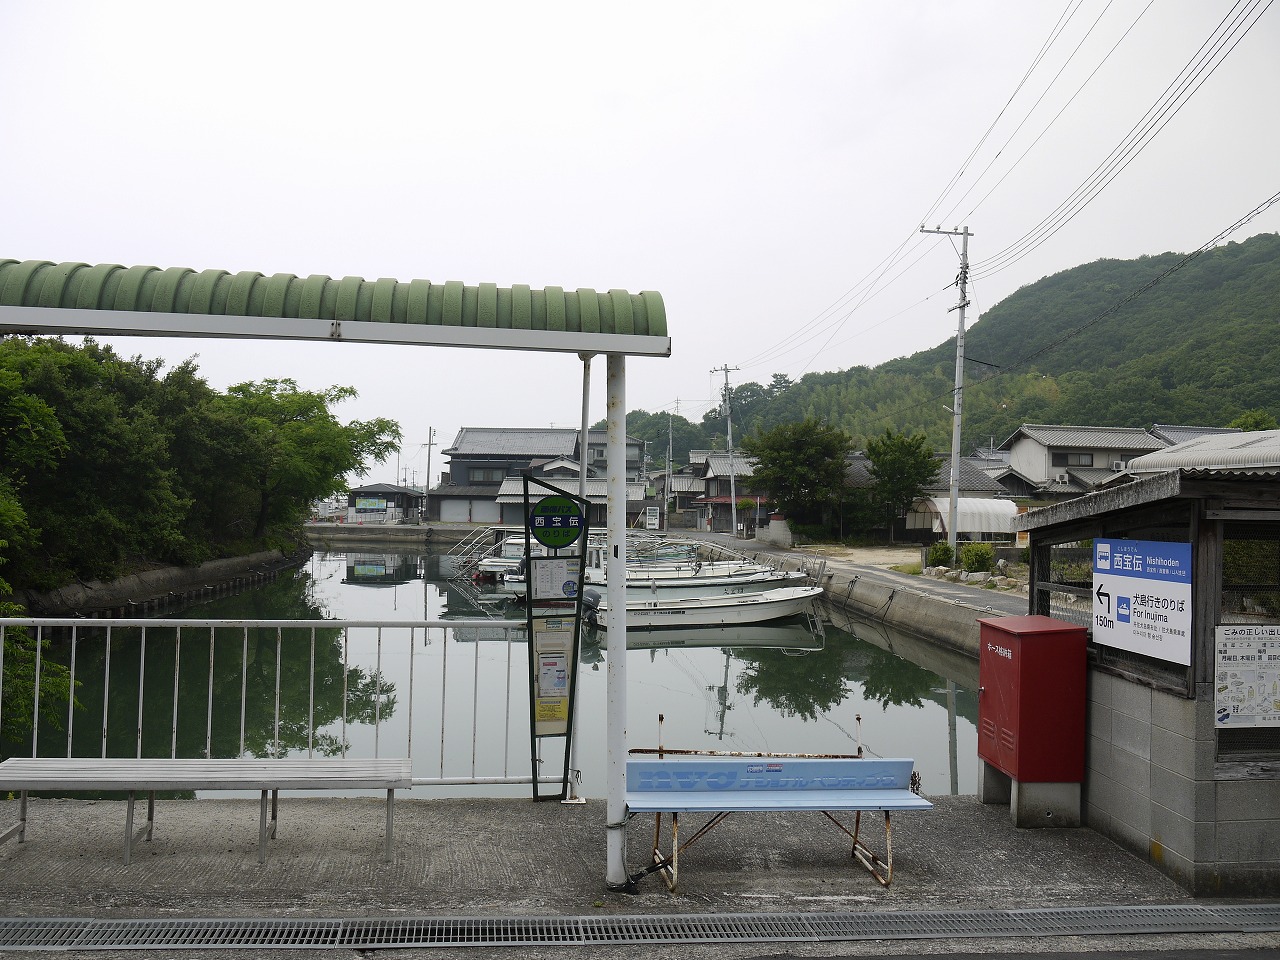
[(1035, 461)]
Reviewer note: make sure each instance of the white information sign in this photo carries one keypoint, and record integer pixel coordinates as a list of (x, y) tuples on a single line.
[(553, 650), (1246, 675), (1142, 597), (554, 578)]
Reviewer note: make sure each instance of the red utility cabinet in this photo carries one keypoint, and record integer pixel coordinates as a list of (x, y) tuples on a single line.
[(1031, 698)]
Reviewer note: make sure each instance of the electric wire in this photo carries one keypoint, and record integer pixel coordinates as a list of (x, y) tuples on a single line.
[(1080, 89), (895, 414), (1228, 34), (1189, 80), (1064, 19), (950, 214), (871, 281)]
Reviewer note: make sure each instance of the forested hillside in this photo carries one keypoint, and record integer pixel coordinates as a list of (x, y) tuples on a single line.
[(1200, 346)]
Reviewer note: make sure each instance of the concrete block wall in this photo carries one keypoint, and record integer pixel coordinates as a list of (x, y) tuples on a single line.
[(1151, 784)]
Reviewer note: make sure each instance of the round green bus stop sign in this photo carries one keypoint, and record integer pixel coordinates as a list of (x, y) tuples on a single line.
[(555, 522)]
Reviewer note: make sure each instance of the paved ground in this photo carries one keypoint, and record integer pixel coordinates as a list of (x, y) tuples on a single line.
[(515, 858)]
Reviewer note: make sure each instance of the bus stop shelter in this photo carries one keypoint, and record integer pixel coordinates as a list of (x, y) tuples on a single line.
[(41, 298)]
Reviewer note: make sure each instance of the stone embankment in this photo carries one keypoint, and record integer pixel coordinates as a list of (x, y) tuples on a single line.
[(997, 580), (150, 591), (942, 605)]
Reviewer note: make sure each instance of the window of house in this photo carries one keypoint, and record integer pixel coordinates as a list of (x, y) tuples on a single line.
[(487, 474), (1072, 458)]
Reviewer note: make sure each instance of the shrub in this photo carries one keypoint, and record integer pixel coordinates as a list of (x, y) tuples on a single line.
[(939, 555), (809, 533), (978, 557)]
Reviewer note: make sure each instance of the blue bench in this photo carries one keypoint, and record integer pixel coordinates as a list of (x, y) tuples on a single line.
[(722, 785)]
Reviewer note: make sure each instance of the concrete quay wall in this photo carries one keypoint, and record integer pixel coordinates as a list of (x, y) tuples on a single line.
[(150, 591), (951, 623)]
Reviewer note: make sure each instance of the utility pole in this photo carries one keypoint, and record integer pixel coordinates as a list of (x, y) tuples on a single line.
[(728, 416), (426, 487), (666, 506), (961, 281)]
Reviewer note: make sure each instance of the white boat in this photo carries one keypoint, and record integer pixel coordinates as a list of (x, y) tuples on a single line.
[(664, 569), (505, 557), (705, 611), (672, 588)]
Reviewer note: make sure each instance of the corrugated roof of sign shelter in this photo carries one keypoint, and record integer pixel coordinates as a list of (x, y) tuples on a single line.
[(38, 296), (1175, 434), (1257, 450), (1105, 438)]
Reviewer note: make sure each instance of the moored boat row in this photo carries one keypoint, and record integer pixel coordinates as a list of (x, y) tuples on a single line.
[(706, 611)]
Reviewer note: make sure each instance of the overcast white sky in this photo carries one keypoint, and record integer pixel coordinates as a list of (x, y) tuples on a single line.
[(764, 166)]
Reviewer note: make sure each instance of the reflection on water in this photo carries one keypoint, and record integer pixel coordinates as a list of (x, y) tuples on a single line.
[(193, 685), (767, 688)]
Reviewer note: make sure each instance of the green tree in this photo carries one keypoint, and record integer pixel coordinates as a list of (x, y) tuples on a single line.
[(296, 451), (802, 466), (901, 466), (1255, 420), (653, 428), (107, 493)]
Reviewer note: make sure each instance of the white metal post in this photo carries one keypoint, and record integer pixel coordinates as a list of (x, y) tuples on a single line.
[(616, 626), (583, 435)]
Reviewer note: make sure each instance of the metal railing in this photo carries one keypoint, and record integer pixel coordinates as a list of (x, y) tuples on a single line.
[(271, 688)]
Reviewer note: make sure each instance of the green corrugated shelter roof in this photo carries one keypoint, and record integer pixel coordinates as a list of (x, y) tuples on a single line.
[(37, 296)]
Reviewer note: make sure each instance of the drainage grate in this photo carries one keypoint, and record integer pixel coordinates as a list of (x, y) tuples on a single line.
[(88, 934)]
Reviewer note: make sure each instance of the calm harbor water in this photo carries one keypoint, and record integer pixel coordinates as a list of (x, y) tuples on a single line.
[(780, 688)]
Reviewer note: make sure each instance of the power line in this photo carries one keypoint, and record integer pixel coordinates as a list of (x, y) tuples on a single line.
[(1175, 96), (1072, 99), (872, 280), (1040, 99), (1115, 307)]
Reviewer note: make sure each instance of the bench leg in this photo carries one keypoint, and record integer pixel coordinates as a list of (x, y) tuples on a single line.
[(151, 813), (128, 829), (391, 800), (275, 811), (19, 829), (882, 870), (262, 828), (669, 866)]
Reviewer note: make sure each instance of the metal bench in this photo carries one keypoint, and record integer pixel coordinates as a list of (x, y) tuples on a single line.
[(721, 785), (150, 776)]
